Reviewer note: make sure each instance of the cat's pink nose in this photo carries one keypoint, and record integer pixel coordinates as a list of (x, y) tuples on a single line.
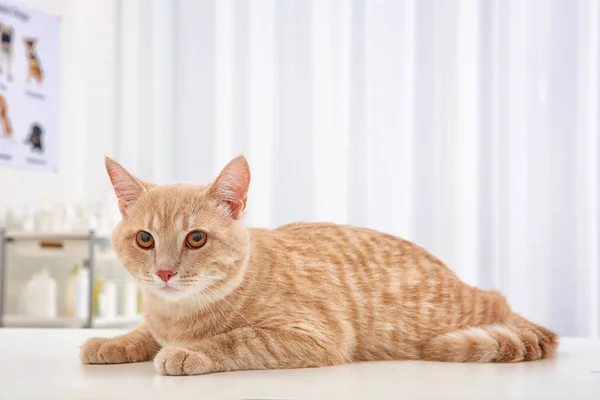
[(165, 274)]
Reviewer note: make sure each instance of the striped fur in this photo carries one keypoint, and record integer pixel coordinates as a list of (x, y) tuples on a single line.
[(302, 295)]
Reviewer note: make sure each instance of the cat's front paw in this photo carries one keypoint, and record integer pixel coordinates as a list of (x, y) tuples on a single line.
[(180, 361), (112, 351)]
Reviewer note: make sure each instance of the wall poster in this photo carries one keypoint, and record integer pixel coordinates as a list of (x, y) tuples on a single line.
[(29, 87)]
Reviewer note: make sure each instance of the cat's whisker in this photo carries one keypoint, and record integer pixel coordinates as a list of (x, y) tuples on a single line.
[(216, 304), (206, 305), (231, 306), (220, 310), (193, 282), (203, 304), (196, 280), (195, 277)]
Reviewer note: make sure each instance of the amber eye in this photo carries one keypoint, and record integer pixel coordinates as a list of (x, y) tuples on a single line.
[(195, 239), (144, 240)]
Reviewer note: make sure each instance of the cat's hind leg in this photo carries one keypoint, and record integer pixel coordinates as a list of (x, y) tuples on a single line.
[(514, 341)]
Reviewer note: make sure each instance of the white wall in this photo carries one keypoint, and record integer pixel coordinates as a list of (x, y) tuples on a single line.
[(87, 110), (468, 127)]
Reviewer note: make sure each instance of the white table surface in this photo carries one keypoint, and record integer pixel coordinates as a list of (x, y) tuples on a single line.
[(44, 364)]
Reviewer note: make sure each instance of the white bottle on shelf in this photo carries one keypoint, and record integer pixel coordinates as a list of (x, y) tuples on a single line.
[(108, 300), (130, 299), (41, 295), (29, 297), (83, 293), (70, 304), (48, 291)]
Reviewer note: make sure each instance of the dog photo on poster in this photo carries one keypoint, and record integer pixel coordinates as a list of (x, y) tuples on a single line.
[(29, 92)]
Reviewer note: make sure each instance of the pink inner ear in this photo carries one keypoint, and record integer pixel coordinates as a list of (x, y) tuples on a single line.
[(126, 187), (231, 186), (236, 208)]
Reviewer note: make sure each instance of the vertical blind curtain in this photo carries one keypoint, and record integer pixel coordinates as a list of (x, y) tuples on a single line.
[(469, 127)]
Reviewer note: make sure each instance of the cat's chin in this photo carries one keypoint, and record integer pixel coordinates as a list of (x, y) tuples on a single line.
[(171, 293), (169, 290)]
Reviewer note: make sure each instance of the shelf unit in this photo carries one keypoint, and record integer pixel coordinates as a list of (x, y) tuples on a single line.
[(93, 240)]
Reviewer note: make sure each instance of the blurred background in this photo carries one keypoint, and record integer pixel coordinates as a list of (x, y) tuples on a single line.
[(469, 127)]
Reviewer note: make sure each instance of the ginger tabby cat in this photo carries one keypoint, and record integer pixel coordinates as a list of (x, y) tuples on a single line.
[(218, 296)]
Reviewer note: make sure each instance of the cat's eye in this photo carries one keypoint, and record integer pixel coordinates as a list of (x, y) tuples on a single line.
[(195, 239), (144, 240)]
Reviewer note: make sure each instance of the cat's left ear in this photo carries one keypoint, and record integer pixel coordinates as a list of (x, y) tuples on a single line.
[(126, 186), (231, 186)]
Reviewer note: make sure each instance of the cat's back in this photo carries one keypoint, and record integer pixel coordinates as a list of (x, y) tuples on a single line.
[(306, 238), (320, 245), (330, 233)]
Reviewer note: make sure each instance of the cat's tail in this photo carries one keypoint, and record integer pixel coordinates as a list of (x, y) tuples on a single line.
[(516, 340)]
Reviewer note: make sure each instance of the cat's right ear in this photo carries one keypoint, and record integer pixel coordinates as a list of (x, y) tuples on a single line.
[(126, 186)]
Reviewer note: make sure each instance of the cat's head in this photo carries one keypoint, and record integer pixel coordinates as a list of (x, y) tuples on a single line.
[(180, 240)]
